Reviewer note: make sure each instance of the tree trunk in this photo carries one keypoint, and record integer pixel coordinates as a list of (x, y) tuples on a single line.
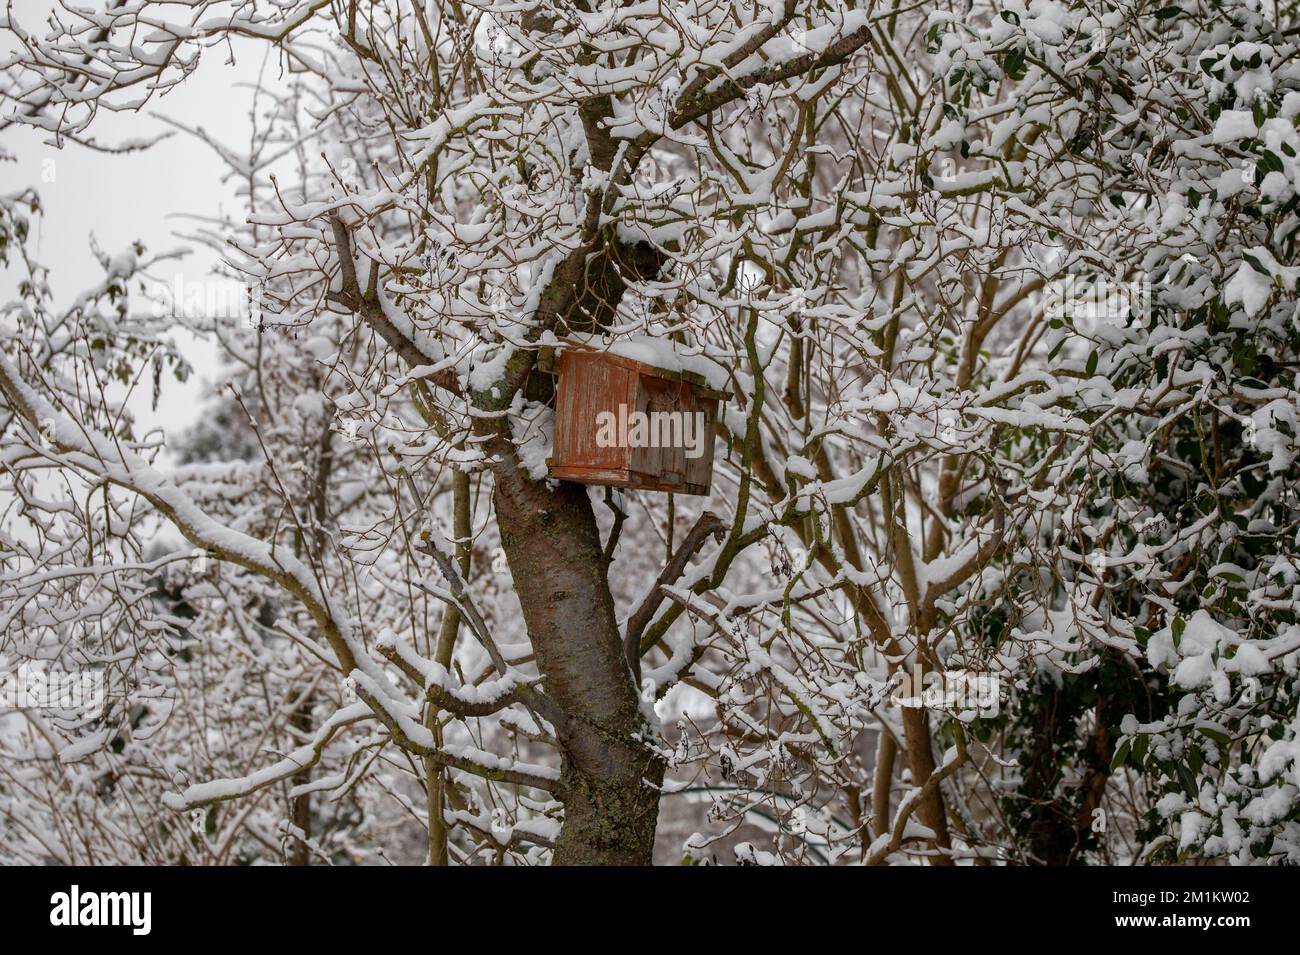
[(920, 759), (300, 806), (610, 778)]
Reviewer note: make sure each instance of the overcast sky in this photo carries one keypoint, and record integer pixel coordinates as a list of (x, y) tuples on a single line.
[(142, 195)]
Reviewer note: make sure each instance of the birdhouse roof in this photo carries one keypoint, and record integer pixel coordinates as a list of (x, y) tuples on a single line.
[(658, 357)]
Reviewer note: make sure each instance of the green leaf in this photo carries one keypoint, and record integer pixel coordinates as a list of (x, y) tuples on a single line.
[(1223, 739), (1121, 754), (1014, 64), (1254, 263)]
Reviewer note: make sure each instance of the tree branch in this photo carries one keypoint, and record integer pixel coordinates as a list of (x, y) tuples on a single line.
[(708, 525)]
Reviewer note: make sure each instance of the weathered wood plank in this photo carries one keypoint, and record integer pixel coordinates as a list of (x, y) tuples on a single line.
[(592, 382)]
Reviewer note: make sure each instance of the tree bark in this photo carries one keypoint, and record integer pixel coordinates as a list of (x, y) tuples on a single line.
[(300, 806), (435, 776), (920, 759), (886, 751), (610, 777)]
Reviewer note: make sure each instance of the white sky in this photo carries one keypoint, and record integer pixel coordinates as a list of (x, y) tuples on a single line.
[(141, 195)]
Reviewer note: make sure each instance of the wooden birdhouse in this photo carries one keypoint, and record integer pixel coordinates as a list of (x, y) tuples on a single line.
[(634, 415)]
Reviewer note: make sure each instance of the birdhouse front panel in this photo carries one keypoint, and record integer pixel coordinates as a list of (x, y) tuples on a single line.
[(625, 423), (588, 387)]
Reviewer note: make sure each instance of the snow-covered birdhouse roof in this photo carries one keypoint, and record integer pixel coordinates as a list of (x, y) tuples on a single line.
[(661, 357)]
